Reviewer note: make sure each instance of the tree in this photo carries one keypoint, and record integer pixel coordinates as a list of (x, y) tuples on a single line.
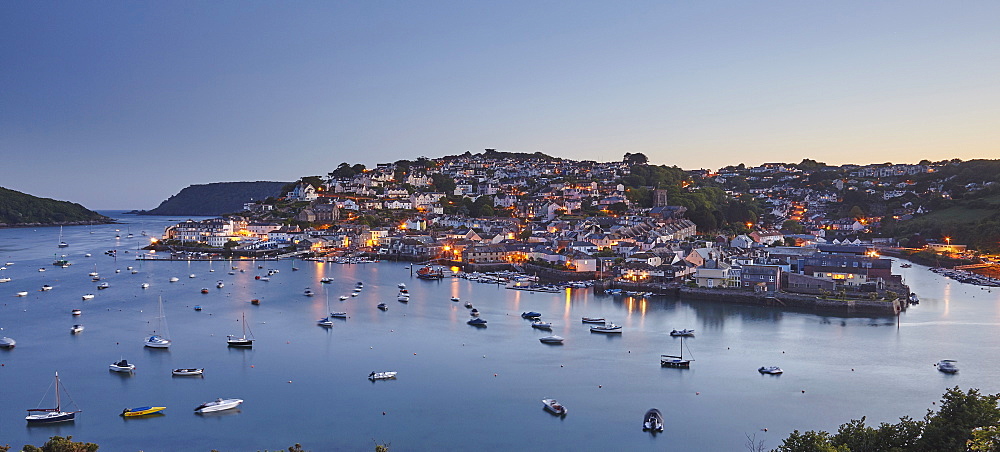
[(961, 413), (443, 183), (811, 441), (60, 444), (636, 159)]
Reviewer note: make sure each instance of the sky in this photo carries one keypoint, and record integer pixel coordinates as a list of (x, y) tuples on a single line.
[(119, 105)]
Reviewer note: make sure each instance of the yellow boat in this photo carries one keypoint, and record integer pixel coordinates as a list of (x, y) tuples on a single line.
[(142, 411)]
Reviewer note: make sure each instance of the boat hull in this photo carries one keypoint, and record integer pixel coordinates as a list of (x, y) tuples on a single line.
[(222, 405), (187, 372), (142, 411), (51, 418)]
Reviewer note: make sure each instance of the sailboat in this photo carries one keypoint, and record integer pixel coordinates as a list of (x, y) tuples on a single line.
[(51, 415), (156, 340), (234, 341), (326, 321), (677, 362), (62, 244)]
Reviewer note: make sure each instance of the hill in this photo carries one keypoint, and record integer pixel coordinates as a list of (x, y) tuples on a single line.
[(21, 209), (216, 198)]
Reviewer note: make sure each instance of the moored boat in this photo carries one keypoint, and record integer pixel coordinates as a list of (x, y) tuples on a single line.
[(343, 297), (308, 292), (187, 372), (23, 293), (551, 340), (382, 306), (541, 325), (219, 404), (51, 415), (474, 312), (455, 299), (683, 333), (530, 315), (45, 288), (204, 290), (948, 366), (554, 407), (88, 296), (381, 375), (338, 315), (103, 285), (76, 329), (677, 362), (77, 311), (122, 366), (652, 421), (6, 342), (144, 285), (593, 320), (244, 341), (609, 328), (477, 322), (325, 321), (770, 370), (142, 411), (174, 279)]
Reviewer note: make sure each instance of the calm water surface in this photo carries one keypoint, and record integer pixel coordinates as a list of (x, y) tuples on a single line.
[(458, 386)]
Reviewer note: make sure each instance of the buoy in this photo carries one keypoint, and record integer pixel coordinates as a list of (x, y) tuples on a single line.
[(560, 365), (494, 375), (803, 391), (251, 366), (414, 354), (383, 413), (765, 429), (289, 381), (697, 393), (600, 386)]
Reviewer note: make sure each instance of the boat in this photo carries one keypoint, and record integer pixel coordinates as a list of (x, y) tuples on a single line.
[(677, 362), (326, 280), (142, 411), (354, 294), (652, 421), (905, 265), (682, 333), (455, 299), (60, 262), (530, 315), (382, 306), (197, 307), (948, 366), (468, 305), (23, 293), (88, 296), (554, 407), (218, 405), (360, 284), (405, 298), (381, 376), (174, 279), (593, 320), (343, 297), (255, 301), (477, 322), (191, 275), (243, 341), (144, 285), (41, 269), (308, 292), (474, 312), (357, 290), (770, 370), (6, 342), (913, 299), (261, 278), (156, 340), (220, 285), (338, 315), (62, 244), (187, 372), (429, 272), (325, 321), (77, 311), (122, 366), (76, 329), (51, 415), (609, 328), (45, 288), (541, 325), (204, 290), (401, 286), (551, 340), (103, 286)]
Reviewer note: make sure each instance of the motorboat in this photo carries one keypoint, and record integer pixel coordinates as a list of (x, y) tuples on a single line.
[(554, 407), (197, 307), (135, 272), (382, 306), (220, 285), (541, 325), (255, 301), (122, 366), (6, 342), (474, 312), (326, 280), (551, 340), (103, 286), (382, 376), (191, 275), (684, 333), (204, 290), (46, 288), (338, 315), (23, 293), (477, 322), (530, 315), (188, 372), (468, 305), (357, 290), (593, 320), (360, 285), (243, 341), (261, 278), (403, 298), (142, 411), (455, 299), (354, 294), (144, 285), (343, 297), (609, 328), (77, 311), (308, 293), (770, 370), (401, 285), (218, 405), (174, 279), (51, 415), (41, 269), (652, 421), (95, 278), (948, 366), (88, 296), (76, 329)]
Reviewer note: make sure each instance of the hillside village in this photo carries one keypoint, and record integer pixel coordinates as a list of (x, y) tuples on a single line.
[(807, 228)]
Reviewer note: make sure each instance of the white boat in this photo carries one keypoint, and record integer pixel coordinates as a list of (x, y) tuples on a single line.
[(41, 269), (474, 312), (455, 299), (770, 370), (88, 296), (343, 297), (220, 285), (551, 340), (308, 292), (677, 362), (218, 405), (541, 325), (5, 279), (381, 376), (174, 279), (76, 329), (948, 366), (77, 312), (243, 341), (326, 280), (468, 305), (593, 320), (554, 407), (354, 294), (62, 244), (191, 275), (144, 285), (103, 285), (338, 315), (45, 288), (156, 340), (23, 293), (403, 298), (685, 333), (51, 415), (6, 342), (652, 421), (122, 366), (187, 372), (610, 328), (401, 285)]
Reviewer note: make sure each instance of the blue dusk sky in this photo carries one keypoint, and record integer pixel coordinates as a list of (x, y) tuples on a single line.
[(119, 105)]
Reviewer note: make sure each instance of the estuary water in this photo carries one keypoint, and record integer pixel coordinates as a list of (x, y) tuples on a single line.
[(458, 387)]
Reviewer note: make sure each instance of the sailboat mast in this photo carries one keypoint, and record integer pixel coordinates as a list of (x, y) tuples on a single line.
[(58, 399)]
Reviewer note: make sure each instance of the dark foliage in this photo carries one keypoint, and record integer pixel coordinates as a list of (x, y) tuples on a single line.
[(217, 198), (20, 208)]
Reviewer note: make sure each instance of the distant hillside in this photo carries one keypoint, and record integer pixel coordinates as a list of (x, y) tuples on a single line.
[(20, 209), (216, 198)]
